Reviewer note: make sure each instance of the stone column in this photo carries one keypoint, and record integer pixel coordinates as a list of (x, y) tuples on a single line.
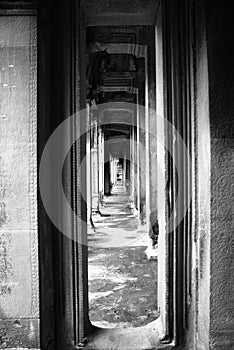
[(132, 164), (152, 139), (63, 262), (161, 177), (88, 166), (138, 158), (142, 159), (107, 178), (95, 165), (124, 169), (112, 175), (147, 149), (115, 170), (151, 146), (100, 164), (135, 168)]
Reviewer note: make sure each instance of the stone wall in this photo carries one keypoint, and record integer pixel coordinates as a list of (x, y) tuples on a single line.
[(201, 236), (19, 282), (220, 29)]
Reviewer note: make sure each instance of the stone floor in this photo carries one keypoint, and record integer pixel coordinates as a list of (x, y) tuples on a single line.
[(122, 282)]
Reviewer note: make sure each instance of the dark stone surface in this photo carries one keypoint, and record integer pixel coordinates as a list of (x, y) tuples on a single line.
[(221, 91)]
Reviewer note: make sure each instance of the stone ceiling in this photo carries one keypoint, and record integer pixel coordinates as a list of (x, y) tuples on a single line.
[(120, 12)]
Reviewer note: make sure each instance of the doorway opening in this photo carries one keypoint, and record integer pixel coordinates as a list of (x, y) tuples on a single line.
[(133, 83), (122, 278)]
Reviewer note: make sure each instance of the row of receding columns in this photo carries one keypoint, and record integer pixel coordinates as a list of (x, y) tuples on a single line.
[(139, 163), (143, 145), (136, 163), (101, 165)]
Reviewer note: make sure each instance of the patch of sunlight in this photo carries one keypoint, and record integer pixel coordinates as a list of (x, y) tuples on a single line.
[(98, 256), (96, 272), (105, 324), (94, 296)]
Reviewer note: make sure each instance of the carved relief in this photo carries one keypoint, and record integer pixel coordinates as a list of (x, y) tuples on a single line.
[(5, 265), (18, 168), (33, 169)]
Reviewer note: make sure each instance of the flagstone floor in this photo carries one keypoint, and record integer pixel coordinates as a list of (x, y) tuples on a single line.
[(122, 282)]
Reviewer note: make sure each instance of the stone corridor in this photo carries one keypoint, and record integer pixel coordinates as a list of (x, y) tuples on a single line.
[(122, 282)]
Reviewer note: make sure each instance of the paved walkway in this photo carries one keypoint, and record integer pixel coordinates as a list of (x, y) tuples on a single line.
[(122, 282), (117, 226)]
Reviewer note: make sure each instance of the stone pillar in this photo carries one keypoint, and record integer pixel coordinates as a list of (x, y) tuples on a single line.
[(132, 164), (107, 178), (147, 140), (100, 164), (152, 122), (112, 166), (138, 158), (95, 165), (128, 176), (63, 262), (161, 174), (88, 166), (136, 169), (115, 162), (124, 170), (143, 167), (103, 145)]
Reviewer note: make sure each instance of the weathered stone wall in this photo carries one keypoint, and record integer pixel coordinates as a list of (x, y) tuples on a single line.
[(19, 282), (220, 28), (201, 237), (212, 316)]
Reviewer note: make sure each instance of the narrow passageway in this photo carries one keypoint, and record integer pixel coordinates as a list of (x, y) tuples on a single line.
[(117, 226), (120, 171), (122, 282)]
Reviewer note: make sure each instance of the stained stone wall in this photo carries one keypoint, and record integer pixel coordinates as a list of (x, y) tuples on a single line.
[(214, 240), (201, 234), (19, 286), (221, 90)]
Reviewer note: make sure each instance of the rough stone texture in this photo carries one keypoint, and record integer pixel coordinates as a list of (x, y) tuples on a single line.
[(221, 76), (19, 283), (19, 333), (118, 34), (201, 261), (120, 12)]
